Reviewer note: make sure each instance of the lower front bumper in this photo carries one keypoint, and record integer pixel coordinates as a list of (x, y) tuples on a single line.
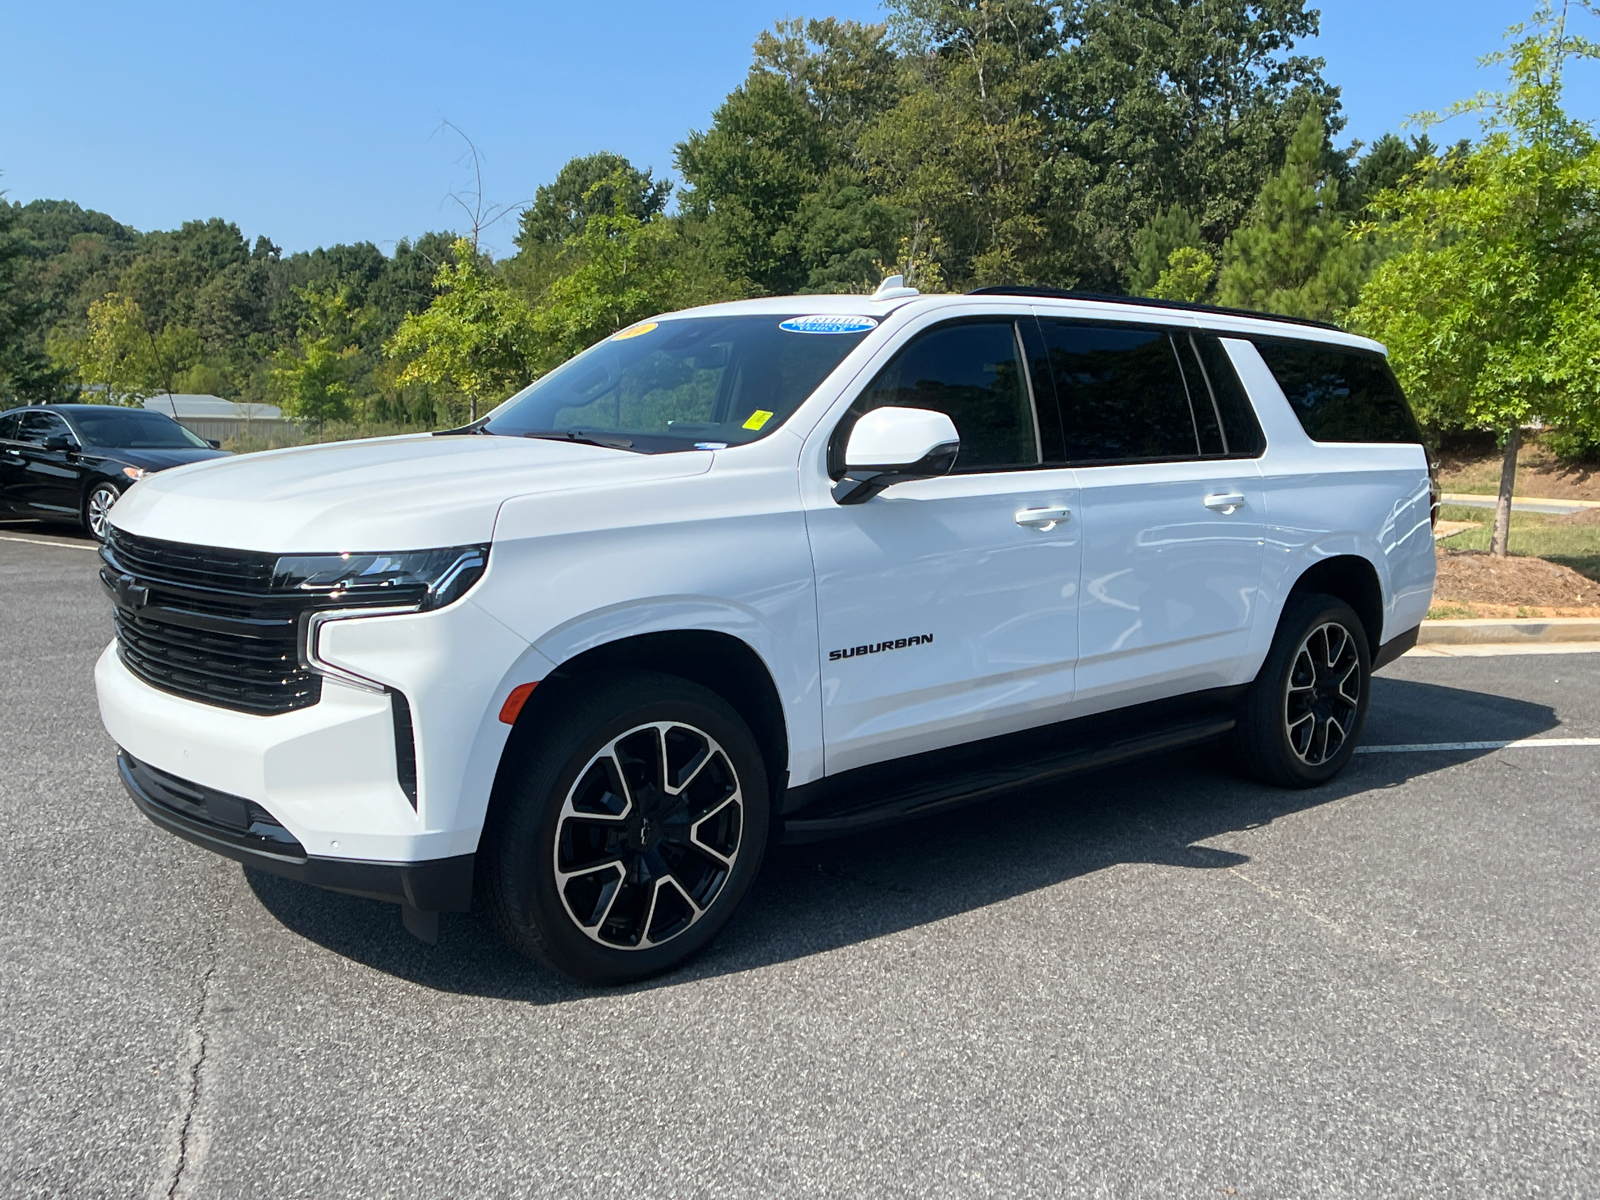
[(241, 830)]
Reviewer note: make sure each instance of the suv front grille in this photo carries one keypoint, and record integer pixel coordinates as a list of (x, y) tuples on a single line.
[(206, 624), (252, 674)]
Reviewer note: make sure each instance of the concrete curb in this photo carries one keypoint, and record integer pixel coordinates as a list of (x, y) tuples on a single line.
[(1502, 630)]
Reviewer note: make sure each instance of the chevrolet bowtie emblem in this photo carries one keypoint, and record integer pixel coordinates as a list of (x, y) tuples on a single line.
[(131, 594)]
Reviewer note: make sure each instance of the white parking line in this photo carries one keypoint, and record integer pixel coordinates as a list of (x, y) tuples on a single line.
[(1514, 744), (1499, 649), (42, 542)]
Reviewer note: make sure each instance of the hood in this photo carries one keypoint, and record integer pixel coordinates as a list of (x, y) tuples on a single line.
[(157, 460), (405, 493)]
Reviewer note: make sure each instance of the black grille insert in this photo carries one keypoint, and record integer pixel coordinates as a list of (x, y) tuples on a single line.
[(205, 623), (233, 819)]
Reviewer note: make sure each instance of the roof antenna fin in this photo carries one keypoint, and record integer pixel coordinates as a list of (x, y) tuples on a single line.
[(893, 287)]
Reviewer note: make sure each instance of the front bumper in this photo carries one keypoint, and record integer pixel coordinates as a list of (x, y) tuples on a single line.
[(242, 830)]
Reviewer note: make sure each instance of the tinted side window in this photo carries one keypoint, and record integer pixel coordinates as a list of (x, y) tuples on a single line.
[(1240, 430), (1341, 395), (1122, 392), (8, 427), (36, 426), (972, 371)]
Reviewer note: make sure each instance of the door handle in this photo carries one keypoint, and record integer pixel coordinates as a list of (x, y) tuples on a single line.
[(1042, 518), (1224, 502)]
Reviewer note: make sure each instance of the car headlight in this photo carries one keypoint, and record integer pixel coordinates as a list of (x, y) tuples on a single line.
[(135, 472), (429, 578)]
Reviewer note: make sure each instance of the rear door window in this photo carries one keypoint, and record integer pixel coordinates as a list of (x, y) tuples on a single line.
[(8, 427), (36, 426), (1123, 393), (1340, 394), (974, 372), (1234, 431)]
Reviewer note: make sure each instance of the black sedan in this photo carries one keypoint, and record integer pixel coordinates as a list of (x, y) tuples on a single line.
[(70, 462)]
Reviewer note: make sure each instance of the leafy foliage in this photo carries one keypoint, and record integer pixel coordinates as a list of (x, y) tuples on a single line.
[(1294, 255), (476, 340), (25, 373), (1489, 309)]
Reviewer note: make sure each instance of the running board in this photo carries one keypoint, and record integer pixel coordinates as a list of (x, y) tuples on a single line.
[(850, 812)]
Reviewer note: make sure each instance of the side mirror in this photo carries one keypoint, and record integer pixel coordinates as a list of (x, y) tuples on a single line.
[(60, 441), (891, 445), (214, 443)]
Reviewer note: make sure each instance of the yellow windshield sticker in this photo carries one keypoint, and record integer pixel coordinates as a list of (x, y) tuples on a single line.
[(758, 418), (633, 331)]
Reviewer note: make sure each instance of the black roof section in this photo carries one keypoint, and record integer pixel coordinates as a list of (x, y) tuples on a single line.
[(1045, 293)]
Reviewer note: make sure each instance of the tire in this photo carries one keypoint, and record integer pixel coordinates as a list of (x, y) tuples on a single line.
[(97, 504), (1303, 716), (592, 863)]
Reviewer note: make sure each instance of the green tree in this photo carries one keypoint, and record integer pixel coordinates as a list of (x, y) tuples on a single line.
[(593, 183), (1294, 254), (1490, 308), (1159, 102), (328, 370), (25, 373), (314, 385), (1172, 229), (477, 339), (963, 150), (624, 272), (777, 180), (121, 360), (1186, 277)]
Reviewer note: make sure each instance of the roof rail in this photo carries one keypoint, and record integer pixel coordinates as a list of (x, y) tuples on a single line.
[(1045, 293)]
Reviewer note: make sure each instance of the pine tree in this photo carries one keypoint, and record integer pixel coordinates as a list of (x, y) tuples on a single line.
[(1170, 230), (1294, 254)]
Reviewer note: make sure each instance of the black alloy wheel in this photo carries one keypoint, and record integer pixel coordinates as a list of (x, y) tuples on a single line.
[(648, 835), (623, 836), (97, 506), (1324, 694), (1303, 716)]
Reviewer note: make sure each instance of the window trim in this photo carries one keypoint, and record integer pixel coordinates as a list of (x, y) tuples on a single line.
[(848, 417)]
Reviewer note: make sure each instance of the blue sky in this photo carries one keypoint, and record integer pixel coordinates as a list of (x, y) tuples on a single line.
[(317, 123)]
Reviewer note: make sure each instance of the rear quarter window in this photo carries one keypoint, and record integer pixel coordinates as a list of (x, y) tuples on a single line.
[(1340, 394)]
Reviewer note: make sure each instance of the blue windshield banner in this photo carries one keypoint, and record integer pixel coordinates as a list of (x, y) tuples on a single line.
[(828, 324)]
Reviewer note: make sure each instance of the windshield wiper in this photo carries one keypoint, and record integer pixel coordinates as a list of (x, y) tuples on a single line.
[(587, 439)]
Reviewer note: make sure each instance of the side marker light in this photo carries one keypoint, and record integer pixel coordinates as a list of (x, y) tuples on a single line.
[(515, 701)]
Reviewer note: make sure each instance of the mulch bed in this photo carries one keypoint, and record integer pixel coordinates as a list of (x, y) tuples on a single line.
[(1514, 586)]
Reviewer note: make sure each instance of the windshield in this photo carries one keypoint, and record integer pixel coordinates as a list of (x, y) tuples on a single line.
[(687, 382), (133, 429)]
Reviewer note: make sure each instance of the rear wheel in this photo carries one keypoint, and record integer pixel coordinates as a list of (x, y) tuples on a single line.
[(97, 510), (633, 828), (1304, 713)]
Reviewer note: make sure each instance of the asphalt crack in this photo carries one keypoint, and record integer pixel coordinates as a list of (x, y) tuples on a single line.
[(185, 1141), (197, 1061)]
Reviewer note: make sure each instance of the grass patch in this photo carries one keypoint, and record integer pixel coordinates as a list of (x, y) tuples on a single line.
[(1449, 612), (1537, 535)]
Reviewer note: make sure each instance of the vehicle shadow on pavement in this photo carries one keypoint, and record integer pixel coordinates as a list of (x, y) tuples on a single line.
[(815, 898)]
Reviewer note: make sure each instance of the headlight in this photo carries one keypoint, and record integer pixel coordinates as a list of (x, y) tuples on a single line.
[(429, 578), (135, 472)]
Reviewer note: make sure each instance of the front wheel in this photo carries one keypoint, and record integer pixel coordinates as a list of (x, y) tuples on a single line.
[(97, 510), (630, 830), (1304, 713)]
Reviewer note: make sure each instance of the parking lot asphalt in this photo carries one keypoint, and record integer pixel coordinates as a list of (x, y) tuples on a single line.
[(1153, 982)]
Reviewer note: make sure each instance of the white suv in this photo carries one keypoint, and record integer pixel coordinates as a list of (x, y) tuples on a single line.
[(784, 568)]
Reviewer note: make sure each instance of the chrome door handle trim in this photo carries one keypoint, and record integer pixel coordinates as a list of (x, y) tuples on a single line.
[(1224, 502), (1042, 518)]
